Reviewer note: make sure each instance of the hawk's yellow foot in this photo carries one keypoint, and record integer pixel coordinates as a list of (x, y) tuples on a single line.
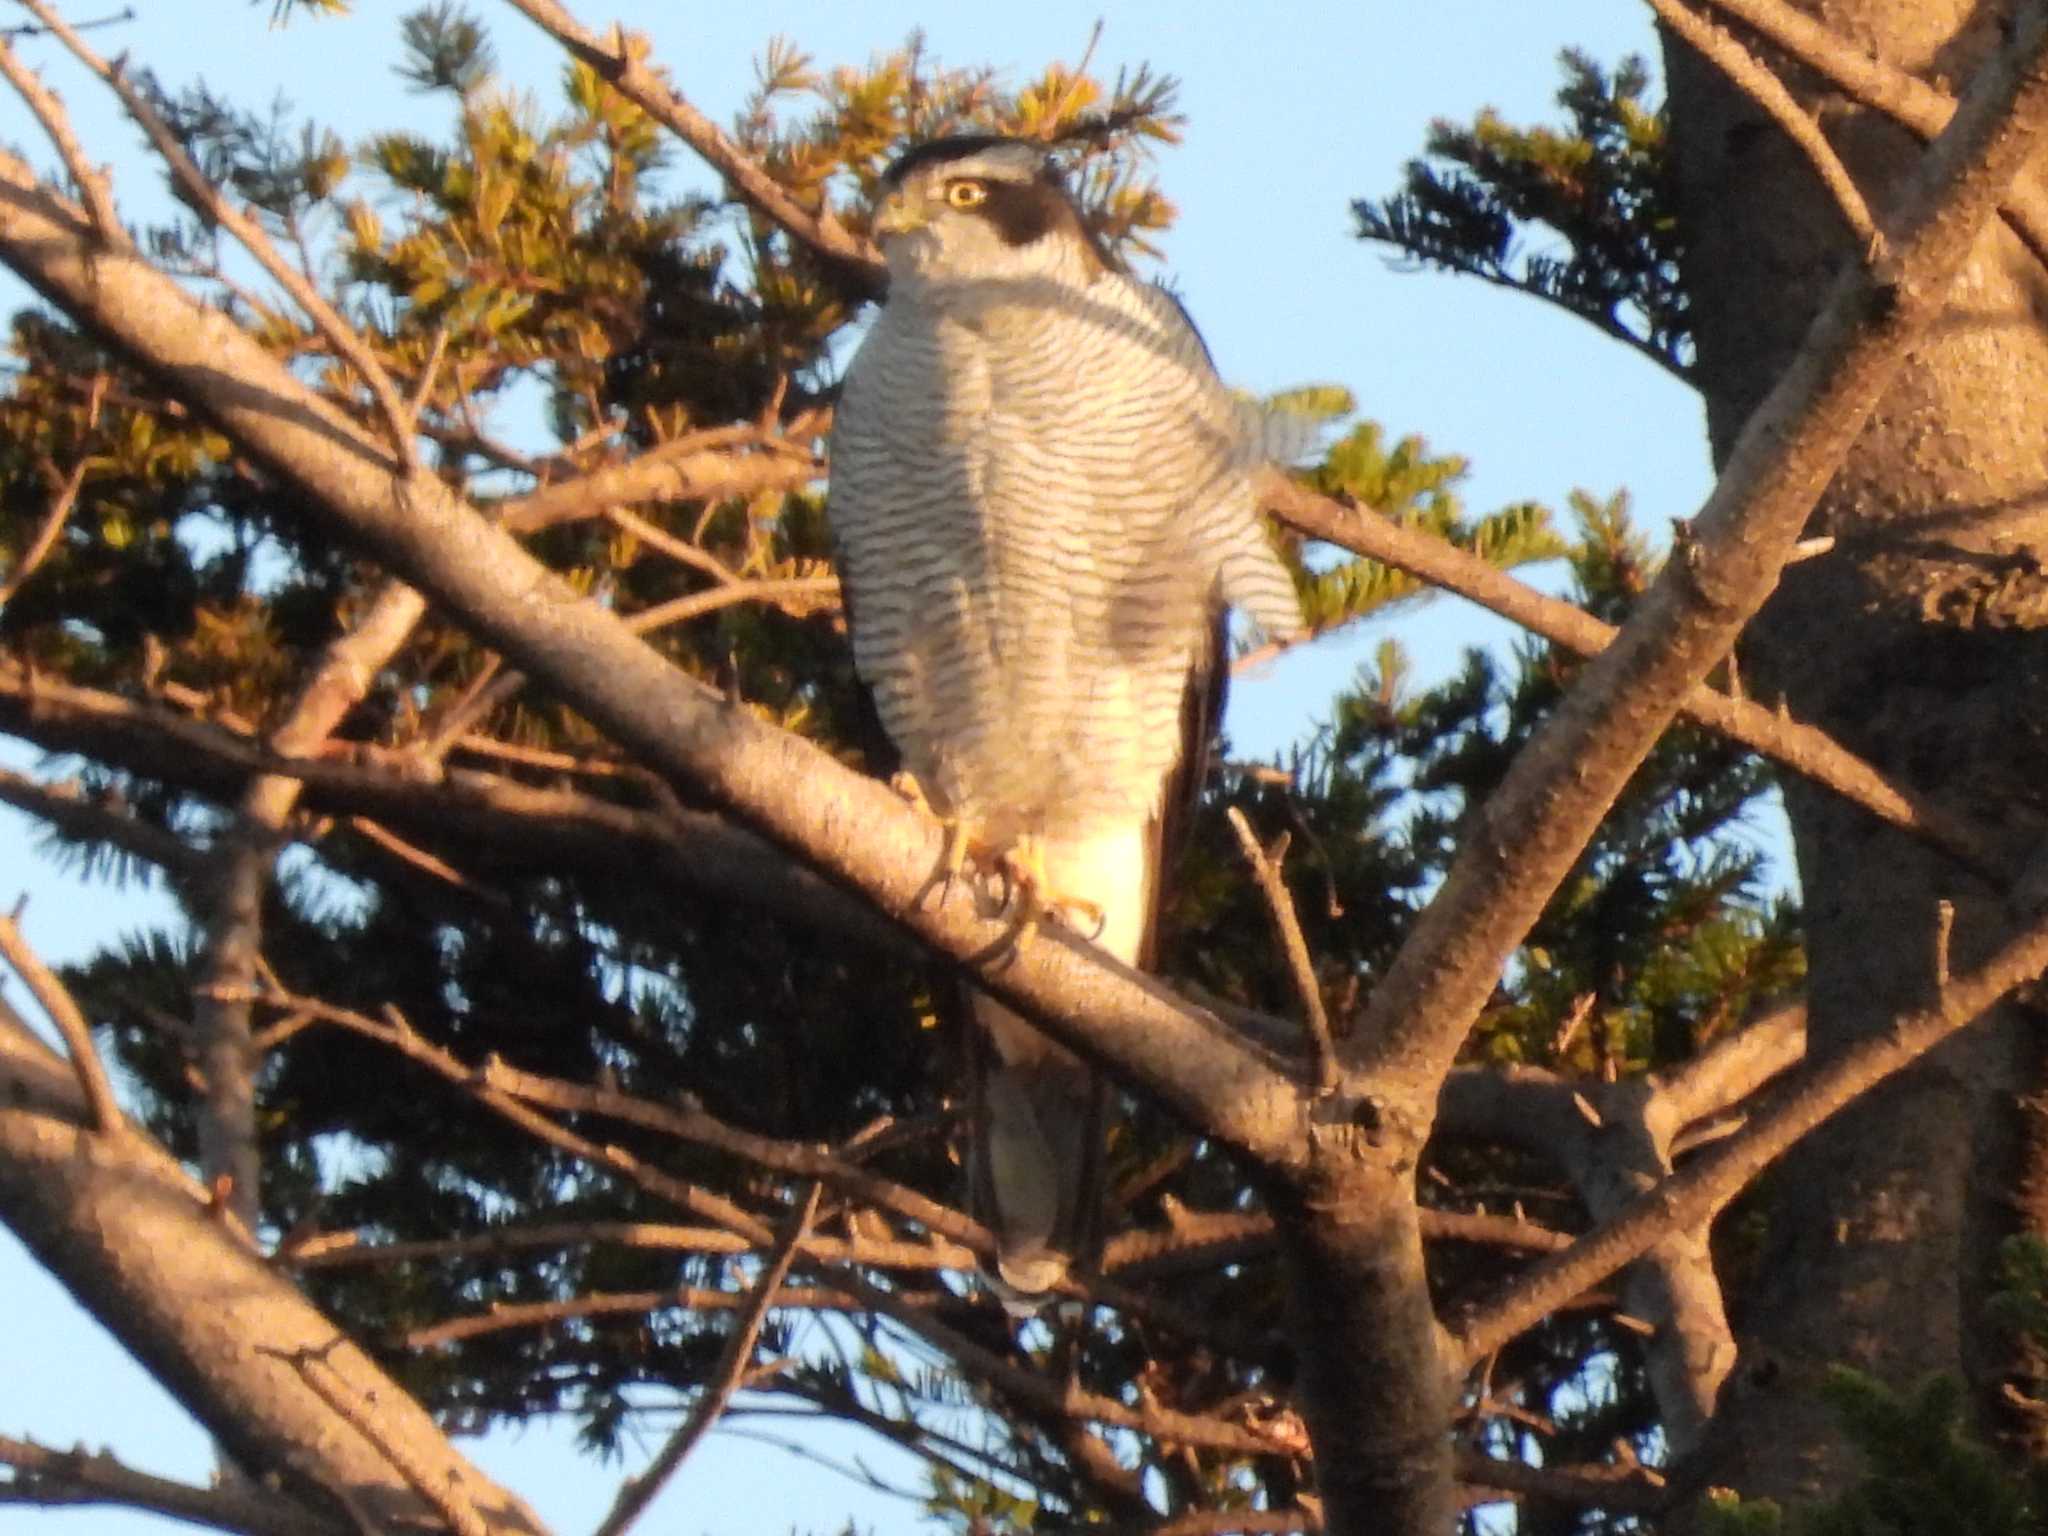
[(1032, 896)]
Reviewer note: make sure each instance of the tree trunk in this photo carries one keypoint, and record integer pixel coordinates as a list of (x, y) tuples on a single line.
[(1921, 641)]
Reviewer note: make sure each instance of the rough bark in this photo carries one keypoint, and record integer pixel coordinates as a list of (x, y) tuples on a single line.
[(1921, 643), (141, 1246)]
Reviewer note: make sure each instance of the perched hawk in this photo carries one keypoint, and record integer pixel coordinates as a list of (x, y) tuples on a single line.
[(1040, 491)]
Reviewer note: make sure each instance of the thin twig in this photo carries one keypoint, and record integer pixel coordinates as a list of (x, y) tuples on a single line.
[(46, 536), (1804, 749), (1691, 1196), (801, 593), (618, 63), (503, 1317), (90, 180), (332, 1250), (338, 332), (56, 1001), (1769, 92), (1287, 924), (638, 1492)]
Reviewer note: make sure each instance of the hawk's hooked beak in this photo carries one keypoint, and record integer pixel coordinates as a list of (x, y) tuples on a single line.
[(900, 213)]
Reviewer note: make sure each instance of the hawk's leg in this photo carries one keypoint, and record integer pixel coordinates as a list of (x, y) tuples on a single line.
[(1033, 898), (960, 849)]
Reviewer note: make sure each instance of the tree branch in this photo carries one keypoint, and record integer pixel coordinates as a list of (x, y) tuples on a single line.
[(337, 332), (1265, 869), (340, 1250), (1528, 834), (1803, 749), (1768, 92), (66, 807), (683, 469), (854, 830), (55, 1000), (135, 1240), (630, 76), (1692, 1195), (53, 1479), (237, 880), (1907, 100), (639, 1491)]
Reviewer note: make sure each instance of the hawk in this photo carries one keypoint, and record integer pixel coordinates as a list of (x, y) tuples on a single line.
[(1041, 496)]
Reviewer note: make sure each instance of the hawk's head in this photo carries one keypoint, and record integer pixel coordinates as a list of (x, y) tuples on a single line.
[(976, 206)]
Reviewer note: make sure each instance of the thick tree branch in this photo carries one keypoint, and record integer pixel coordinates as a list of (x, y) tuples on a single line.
[(237, 881), (855, 830), (1527, 836), (135, 1239), (1907, 100)]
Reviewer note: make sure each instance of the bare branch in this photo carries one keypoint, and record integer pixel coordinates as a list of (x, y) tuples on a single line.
[(684, 469), (1265, 869), (795, 594), (89, 179), (503, 1317), (639, 1491), (1691, 1196), (630, 76), (46, 536), (1562, 783), (1803, 749), (336, 1250), (56, 1001), (53, 1479)]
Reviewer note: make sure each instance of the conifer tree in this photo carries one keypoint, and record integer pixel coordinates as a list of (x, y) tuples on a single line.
[(559, 1010)]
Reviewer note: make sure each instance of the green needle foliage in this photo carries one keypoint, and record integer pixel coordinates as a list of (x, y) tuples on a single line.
[(1580, 215)]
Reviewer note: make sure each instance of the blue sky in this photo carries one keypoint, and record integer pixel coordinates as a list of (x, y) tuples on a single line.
[(1293, 110)]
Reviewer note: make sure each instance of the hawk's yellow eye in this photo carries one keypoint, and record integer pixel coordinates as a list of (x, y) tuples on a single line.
[(966, 194)]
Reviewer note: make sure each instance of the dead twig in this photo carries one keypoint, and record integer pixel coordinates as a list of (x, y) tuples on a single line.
[(638, 1492), (1265, 868)]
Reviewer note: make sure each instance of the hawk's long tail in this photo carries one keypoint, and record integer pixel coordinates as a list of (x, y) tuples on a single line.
[(1036, 1163)]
